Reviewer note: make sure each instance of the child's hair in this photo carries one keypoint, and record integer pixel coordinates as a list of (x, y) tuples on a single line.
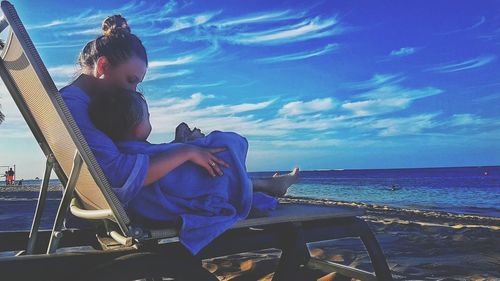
[(116, 112), (117, 44)]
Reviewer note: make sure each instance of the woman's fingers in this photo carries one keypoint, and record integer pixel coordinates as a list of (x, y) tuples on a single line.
[(220, 162), (215, 168), (210, 169)]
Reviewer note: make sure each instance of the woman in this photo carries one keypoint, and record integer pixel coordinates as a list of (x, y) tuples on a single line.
[(117, 59)]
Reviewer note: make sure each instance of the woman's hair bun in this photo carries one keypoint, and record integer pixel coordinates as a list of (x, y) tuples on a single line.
[(114, 25)]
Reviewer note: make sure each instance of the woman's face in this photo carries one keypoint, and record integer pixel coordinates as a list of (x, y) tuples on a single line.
[(125, 75)]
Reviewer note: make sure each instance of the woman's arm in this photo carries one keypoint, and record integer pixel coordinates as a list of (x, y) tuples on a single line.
[(162, 163)]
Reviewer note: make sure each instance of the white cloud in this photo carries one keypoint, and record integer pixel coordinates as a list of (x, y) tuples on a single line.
[(404, 125), (193, 57), (378, 106), (467, 119), (307, 29), (468, 64), (404, 51), (67, 70), (154, 75), (473, 26), (386, 99), (190, 21), (189, 86), (240, 108), (307, 143), (300, 107), (170, 62), (488, 98), (376, 81), (257, 18), (300, 56)]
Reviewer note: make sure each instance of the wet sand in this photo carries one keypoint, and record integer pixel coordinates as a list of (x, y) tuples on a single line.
[(419, 245)]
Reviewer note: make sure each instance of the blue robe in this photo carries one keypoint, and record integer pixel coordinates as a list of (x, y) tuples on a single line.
[(206, 206)]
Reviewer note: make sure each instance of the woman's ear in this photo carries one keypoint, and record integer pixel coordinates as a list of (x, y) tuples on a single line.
[(101, 67)]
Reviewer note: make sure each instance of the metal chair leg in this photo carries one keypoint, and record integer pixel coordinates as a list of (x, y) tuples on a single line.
[(64, 205), (294, 255), (30, 249), (374, 250)]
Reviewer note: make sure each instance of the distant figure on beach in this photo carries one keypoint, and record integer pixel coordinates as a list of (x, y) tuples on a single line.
[(20, 182), (10, 176), (160, 181)]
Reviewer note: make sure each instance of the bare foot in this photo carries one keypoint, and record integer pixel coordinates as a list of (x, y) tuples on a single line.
[(277, 185)]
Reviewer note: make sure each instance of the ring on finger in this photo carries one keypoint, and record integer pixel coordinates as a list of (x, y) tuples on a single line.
[(211, 163)]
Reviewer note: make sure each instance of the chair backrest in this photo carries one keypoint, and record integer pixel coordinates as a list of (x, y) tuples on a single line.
[(41, 105)]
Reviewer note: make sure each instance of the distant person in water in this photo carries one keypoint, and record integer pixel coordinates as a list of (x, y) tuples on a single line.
[(394, 187)]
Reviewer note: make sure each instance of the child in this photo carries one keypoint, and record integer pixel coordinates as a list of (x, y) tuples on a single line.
[(205, 204)]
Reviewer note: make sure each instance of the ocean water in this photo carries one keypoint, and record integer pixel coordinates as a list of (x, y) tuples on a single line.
[(464, 190), (467, 190)]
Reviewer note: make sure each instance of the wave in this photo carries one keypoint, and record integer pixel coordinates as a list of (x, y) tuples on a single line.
[(381, 213)]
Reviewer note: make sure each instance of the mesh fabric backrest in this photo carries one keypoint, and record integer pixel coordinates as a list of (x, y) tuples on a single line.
[(48, 120)]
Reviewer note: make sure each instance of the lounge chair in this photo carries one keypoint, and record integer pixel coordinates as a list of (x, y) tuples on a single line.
[(124, 248)]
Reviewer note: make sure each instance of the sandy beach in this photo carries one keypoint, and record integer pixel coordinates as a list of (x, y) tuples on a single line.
[(419, 245)]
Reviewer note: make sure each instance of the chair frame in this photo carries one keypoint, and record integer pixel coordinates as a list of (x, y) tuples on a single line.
[(142, 245)]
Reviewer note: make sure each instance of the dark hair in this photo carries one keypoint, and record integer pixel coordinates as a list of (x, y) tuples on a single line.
[(117, 44), (116, 112)]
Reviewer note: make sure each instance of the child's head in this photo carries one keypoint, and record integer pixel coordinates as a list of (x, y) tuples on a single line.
[(121, 114)]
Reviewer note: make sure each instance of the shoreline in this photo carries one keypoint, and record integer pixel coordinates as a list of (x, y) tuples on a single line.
[(370, 208)]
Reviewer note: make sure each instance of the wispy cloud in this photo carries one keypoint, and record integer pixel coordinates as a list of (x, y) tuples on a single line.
[(14, 125), (412, 125), (185, 22), (186, 58), (468, 64), (197, 85), (386, 99), (302, 55), (475, 25), (300, 107), (404, 51), (67, 70), (466, 119), (307, 29), (376, 81), (153, 75), (257, 18), (488, 98)]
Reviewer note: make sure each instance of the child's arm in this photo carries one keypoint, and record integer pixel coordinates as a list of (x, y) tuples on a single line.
[(162, 163)]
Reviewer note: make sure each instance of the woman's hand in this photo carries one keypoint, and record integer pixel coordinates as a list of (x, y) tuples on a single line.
[(205, 158)]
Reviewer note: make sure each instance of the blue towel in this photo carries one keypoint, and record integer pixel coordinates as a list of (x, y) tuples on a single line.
[(206, 205)]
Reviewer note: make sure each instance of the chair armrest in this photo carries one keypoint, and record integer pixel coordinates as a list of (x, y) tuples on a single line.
[(90, 214)]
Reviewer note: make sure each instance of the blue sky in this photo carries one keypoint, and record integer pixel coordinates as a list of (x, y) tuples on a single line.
[(325, 85)]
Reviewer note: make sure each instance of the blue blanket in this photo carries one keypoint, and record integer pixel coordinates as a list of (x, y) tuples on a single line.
[(206, 205)]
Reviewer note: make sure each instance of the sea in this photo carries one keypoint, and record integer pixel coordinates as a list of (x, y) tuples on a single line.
[(458, 190)]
